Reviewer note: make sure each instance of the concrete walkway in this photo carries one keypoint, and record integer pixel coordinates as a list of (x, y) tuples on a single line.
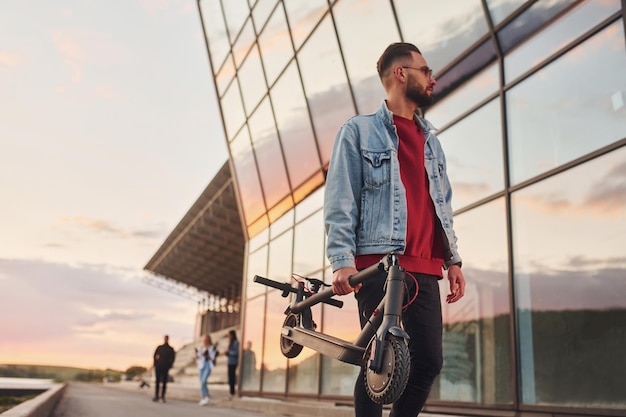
[(106, 400)]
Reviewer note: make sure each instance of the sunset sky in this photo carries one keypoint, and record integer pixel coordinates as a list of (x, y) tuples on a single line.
[(109, 131)]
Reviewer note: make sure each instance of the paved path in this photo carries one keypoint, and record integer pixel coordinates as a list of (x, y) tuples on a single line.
[(96, 400)]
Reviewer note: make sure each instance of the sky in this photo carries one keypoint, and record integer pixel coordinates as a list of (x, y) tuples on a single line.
[(109, 132)]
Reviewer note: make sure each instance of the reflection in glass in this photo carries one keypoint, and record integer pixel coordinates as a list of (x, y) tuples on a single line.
[(308, 251), (501, 9), (236, 12), (279, 268), (338, 378), (261, 12), (251, 80), (268, 154), (465, 97), (244, 43), (575, 23), (225, 75), (477, 332), (445, 29), (257, 265), (312, 203), (473, 150), (247, 178), (528, 22), (275, 45), (294, 126), (274, 363), (551, 123), (232, 110), (326, 86), (252, 345), (281, 224), (366, 28), (303, 16), (259, 240), (569, 235), (215, 31)]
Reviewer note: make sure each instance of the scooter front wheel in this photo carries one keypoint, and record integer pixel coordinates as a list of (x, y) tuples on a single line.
[(387, 386), (289, 348)]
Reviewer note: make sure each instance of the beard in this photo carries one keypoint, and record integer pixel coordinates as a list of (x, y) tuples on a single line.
[(418, 93)]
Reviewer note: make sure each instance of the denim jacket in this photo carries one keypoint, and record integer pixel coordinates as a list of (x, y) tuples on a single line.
[(365, 200)]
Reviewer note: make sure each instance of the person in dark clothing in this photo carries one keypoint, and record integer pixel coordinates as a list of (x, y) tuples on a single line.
[(164, 356), (233, 360)]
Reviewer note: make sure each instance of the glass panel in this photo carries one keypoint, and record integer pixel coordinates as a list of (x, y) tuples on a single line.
[(252, 342), (284, 205), (261, 12), (551, 123), (274, 363), (569, 235), (225, 75), (308, 251), (215, 30), (236, 12), (284, 223), (247, 178), (232, 110), (259, 240), (275, 45), (580, 20), (310, 204), (465, 97), (366, 28), (268, 154), (294, 127), (529, 21), (310, 185), (326, 85), (501, 9), (303, 16), (338, 378), (446, 28), (280, 258), (257, 265), (477, 60), (474, 154), (304, 369), (251, 81), (477, 330), (244, 43)]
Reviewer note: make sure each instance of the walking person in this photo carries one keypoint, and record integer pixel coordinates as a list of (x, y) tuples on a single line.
[(232, 360), (387, 190), (205, 358), (164, 356)]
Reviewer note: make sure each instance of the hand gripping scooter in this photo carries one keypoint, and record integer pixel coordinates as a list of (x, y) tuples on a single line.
[(381, 348)]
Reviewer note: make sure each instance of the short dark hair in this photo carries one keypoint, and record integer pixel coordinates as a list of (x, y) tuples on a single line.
[(393, 51)]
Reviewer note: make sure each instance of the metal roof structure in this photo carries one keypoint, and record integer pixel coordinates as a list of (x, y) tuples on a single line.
[(206, 249)]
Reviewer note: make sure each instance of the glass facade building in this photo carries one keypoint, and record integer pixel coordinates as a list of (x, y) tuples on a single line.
[(531, 109)]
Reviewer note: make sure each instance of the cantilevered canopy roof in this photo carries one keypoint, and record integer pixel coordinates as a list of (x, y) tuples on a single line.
[(206, 249)]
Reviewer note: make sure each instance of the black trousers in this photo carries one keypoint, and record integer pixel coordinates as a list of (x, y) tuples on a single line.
[(232, 378), (422, 321), (161, 378)]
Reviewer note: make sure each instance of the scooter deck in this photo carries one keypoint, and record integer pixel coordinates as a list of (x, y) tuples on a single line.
[(325, 344)]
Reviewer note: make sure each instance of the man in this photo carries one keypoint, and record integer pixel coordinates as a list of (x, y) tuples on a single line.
[(164, 356), (387, 190)]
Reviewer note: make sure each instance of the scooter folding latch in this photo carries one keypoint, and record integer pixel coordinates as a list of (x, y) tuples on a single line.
[(376, 356)]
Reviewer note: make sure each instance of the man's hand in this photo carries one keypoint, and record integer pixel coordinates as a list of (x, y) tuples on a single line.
[(457, 284), (340, 280)]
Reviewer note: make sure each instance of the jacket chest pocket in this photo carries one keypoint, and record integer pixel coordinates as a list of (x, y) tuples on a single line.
[(376, 167)]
